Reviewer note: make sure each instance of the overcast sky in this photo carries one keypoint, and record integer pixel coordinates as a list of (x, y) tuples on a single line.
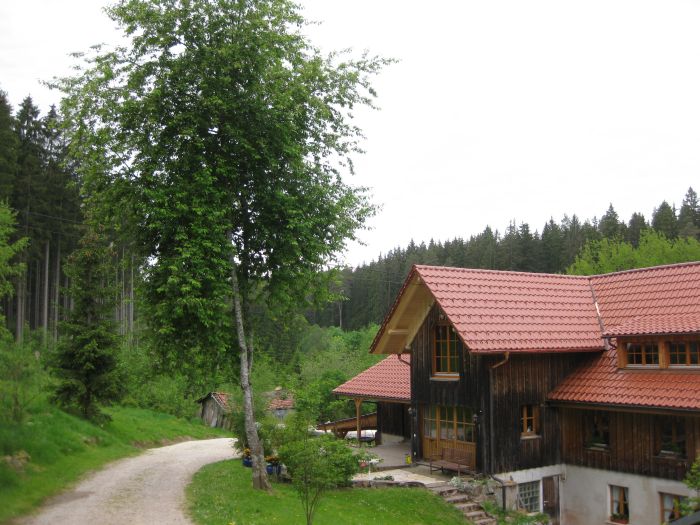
[(497, 111)]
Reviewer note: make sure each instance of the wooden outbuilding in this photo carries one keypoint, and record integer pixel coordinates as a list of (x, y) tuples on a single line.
[(215, 409)]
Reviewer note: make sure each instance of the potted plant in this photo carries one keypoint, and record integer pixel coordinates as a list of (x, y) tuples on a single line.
[(619, 518), (273, 464), (247, 459)]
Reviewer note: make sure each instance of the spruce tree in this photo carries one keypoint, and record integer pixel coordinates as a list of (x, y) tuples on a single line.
[(8, 149), (689, 216), (86, 359), (664, 220)]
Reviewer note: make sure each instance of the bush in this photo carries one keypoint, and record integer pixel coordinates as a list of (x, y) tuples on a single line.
[(22, 378), (317, 465)]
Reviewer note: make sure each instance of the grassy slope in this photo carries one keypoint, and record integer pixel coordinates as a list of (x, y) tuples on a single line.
[(221, 494), (63, 447)]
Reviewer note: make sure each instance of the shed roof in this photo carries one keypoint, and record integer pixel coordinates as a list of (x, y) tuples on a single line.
[(221, 398), (390, 379)]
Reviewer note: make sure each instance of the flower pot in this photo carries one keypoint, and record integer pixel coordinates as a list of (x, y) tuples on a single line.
[(247, 461)]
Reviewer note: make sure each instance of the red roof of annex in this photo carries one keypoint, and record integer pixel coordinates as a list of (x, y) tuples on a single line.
[(389, 379)]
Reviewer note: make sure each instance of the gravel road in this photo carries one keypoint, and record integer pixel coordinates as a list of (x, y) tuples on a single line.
[(144, 490)]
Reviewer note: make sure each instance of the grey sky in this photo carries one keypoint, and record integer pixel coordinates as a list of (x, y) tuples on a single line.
[(497, 110)]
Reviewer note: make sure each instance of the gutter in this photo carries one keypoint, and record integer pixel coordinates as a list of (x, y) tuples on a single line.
[(492, 432)]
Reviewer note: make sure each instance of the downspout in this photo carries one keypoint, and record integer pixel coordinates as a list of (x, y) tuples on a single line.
[(492, 459)]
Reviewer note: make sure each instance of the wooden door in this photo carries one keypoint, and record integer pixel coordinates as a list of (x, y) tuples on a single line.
[(550, 498), (448, 428)]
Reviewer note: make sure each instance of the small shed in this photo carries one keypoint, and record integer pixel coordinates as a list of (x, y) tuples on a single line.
[(216, 409), (281, 403)]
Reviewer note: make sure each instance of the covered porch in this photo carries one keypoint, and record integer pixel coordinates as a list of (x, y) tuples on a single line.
[(387, 385)]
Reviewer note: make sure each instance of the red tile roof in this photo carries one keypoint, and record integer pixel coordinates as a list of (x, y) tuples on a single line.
[(495, 311), (390, 379), (649, 301), (599, 381), (281, 404), (656, 325), (662, 291)]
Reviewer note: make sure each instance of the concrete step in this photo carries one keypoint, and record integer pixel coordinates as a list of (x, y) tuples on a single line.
[(484, 521), (470, 506), (443, 490), (457, 498)]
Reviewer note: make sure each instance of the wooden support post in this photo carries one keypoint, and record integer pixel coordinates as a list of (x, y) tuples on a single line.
[(358, 415)]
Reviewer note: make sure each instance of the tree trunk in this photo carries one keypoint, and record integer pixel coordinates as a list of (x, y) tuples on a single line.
[(57, 291), (45, 312), (260, 479)]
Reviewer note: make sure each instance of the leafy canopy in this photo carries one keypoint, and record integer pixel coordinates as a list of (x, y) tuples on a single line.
[(612, 255), (221, 132)]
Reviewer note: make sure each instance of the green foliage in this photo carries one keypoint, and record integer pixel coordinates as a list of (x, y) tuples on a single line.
[(511, 517), (654, 249), (8, 251), (317, 465), (692, 480), (220, 494), (23, 381), (243, 169), (86, 362), (316, 399)]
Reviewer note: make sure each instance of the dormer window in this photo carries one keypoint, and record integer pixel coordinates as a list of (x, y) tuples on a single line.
[(684, 353), (446, 350), (670, 351), (644, 354)]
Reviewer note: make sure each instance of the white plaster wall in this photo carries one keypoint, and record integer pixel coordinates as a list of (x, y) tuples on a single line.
[(585, 500), (533, 474)]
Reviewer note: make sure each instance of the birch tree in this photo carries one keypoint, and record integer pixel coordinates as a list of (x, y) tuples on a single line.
[(223, 133)]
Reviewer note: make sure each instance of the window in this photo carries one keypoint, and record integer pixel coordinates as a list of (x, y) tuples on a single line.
[(619, 504), (446, 350), (430, 422), (529, 496), (451, 423), (529, 420), (671, 507), (671, 436), (684, 353), (646, 354), (597, 427)]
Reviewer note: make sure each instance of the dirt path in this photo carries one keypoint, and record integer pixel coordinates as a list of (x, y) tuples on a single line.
[(145, 490)]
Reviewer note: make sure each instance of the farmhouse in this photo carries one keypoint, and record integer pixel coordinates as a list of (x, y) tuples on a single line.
[(585, 391)]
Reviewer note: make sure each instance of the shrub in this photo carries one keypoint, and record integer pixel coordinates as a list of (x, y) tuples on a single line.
[(317, 465)]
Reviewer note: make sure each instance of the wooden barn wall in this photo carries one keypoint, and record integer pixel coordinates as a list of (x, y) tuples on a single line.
[(526, 380), (632, 445), (467, 391), (394, 419)]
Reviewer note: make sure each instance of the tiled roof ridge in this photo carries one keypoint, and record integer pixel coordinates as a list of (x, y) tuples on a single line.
[(559, 275), (647, 269), (500, 272)]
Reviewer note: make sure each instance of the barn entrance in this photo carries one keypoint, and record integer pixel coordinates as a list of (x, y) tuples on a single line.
[(449, 428)]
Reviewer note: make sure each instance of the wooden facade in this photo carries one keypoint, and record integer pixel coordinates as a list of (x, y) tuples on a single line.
[(633, 443), (394, 419), (495, 397)]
